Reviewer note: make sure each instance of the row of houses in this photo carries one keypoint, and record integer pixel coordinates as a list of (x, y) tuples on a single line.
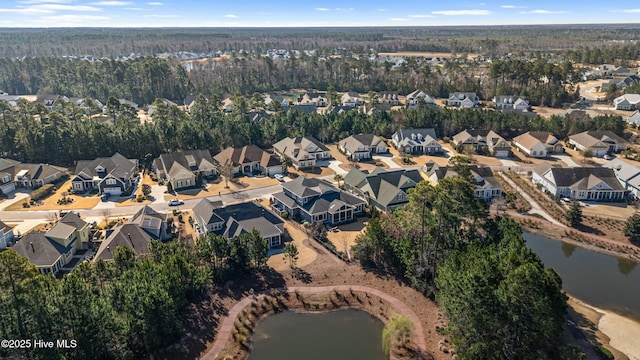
[(14, 174)]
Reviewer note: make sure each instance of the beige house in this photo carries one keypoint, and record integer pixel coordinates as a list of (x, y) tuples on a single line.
[(481, 141), (303, 151), (598, 143), (538, 144), (362, 146), (249, 159)]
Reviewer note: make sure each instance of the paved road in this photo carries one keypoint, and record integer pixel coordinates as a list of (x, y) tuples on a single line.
[(587, 90), (224, 332), (566, 159)]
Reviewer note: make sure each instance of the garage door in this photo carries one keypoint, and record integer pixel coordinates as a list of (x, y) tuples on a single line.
[(502, 154), (8, 188), (112, 191)]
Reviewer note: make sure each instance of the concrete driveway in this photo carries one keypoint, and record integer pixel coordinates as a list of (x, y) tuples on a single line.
[(387, 159), (566, 159), (17, 196), (335, 166)]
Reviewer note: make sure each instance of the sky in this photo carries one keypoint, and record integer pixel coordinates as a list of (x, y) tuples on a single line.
[(310, 13)]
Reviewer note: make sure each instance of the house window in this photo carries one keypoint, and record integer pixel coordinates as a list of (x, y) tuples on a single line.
[(111, 181)]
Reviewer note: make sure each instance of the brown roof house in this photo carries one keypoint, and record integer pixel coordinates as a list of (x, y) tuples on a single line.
[(362, 146), (303, 151), (482, 141), (538, 144), (598, 142), (249, 160)]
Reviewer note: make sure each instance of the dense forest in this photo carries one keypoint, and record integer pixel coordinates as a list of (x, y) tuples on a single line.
[(34, 134), (144, 79), (490, 40), (500, 301), (123, 309)]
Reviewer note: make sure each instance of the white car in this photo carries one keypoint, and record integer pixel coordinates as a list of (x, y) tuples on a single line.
[(607, 157), (278, 177), (175, 202)]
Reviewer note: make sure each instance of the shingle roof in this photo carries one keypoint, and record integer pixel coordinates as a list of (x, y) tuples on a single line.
[(622, 169), (60, 231), (353, 142), (39, 171), (303, 186), (246, 154), (174, 163), (592, 137), (116, 165), (74, 220), (581, 178), (297, 148), (40, 250), (245, 217), (204, 211), (130, 235)]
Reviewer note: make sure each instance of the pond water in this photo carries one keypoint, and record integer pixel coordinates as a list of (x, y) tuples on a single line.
[(337, 335), (602, 280)]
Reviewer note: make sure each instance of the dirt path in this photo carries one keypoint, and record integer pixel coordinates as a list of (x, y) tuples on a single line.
[(226, 327)]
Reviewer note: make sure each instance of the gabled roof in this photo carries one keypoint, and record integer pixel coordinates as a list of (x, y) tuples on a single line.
[(39, 171), (593, 137), (353, 142), (483, 175), (299, 147), (245, 155), (149, 220), (61, 231), (580, 178), (304, 187), (383, 185), (40, 250), (175, 163), (623, 170), (304, 108), (245, 217), (463, 95), (130, 235), (634, 118), (477, 135), (531, 138), (7, 163), (4, 227), (116, 165), (74, 220), (204, 210)]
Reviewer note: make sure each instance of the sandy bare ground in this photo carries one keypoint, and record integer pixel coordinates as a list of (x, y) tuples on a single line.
[(306, 255), (345, 237), (49, 203), (238, 184)]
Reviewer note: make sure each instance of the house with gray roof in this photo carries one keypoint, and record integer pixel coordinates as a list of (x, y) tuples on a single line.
[(384, 189), (511, 102), (463, 100), (16, 174), (482, 141), (234, 220), (362, 146), (7, 173), (627, 174), (315, 200), (49, 100), (52, 250), (580, 183), (109, 175), (419, 97), (417, 141), (627, 102), (485, 185), (598, 142), (183, 168), (273, 98), (303, 151), (313, 98), (154, 223), (634, 119), (249, 159), (6, 235)]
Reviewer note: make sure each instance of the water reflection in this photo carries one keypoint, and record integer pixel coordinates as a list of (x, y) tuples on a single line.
[(626, 266), (568, 249)]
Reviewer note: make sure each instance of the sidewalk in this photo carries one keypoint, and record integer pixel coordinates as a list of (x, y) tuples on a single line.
[(535, 207), (226, 327)]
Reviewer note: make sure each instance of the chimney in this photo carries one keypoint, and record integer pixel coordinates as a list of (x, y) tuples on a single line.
[(129, 236), (108, 249), (32, 248)]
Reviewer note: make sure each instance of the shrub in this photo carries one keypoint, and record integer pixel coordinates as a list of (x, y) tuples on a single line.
[(42, 192), (285, 215), (140, 198)]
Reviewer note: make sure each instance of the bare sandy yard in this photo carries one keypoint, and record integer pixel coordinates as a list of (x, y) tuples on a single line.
[(238, 184), (345, 237), (49, 203)]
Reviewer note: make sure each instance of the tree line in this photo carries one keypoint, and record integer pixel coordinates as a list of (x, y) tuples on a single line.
[(34, 134), (128, 308)]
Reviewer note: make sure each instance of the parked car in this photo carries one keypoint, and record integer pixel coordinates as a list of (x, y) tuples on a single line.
[(104, 197), (607, 157), (279, 177), (175, 202)]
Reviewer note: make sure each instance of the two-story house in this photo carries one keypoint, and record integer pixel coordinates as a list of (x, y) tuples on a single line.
[(233, 220), (312, 98), (384, 189), (628, 176), (351, 99), (362, 146), (389, 98), (463, 100), (7, 173), (249, 159), (417, 141), (6, 235), (109, 175), (316, 200), (419, 97), (482, 141), (182, 169), (627, 102), (510, 102), (303, 151), (580, 183)]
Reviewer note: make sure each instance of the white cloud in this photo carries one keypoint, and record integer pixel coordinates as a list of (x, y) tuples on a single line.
[(45, 1), (111, 3), (155, 3), (160, 16), (382, 10), (26, 11), (631, 11), (398, 19), (344, 9), (421, 16), (513, 7), (322, 9), (232, 16), (61, 7), (462, 12), (76, 18), (543, 12)]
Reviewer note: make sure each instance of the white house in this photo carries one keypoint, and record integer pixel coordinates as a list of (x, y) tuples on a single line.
[(627, 174), (416, 141), (627, 102), (580, 183), (6, 235), (538, 144), (598, 143), (362, 146)]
